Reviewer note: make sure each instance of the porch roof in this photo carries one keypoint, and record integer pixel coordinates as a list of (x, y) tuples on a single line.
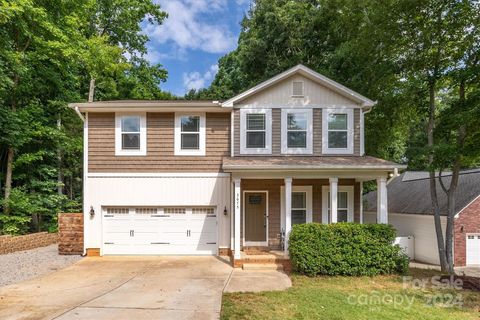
[(250, 163)]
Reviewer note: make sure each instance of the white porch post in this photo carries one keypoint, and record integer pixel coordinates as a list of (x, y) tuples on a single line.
[(361, 201), (288, 210), (237, 200), (382, 205), (333, 199)]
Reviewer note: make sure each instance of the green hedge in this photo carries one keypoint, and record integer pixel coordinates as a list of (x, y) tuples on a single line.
[(345, 249)]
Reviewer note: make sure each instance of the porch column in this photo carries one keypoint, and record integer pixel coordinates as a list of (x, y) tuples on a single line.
[(288, 210), (333, 199), (382, 205), (237, 199)]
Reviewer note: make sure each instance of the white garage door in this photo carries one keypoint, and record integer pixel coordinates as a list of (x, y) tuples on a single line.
[(473, 249), (137, 230)]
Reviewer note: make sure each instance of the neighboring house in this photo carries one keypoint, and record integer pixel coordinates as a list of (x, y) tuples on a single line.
[(410, 212), (209, 177)]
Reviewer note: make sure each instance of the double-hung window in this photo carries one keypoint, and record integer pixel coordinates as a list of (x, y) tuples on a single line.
[(190, 134), (337, 131), (297, 131), (256, 130), (344, 204), (255, 135), (130, 134), (301, 205)]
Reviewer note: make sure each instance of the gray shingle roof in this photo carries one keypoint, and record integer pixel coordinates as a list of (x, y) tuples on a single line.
[(410, 192)]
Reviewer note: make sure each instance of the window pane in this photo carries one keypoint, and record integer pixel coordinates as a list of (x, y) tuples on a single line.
[(337, 121), (299, 216), (337, 139), (131, 124), (299, 200), (130, 140), (297, 139), (256, 121), (342, 216), (255, 139), (190, 141), (297, 121), (342, 200), (190, 123)]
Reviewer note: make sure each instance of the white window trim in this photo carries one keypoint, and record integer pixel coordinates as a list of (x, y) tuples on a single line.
[(309, 191), (243, 132), (309, 148), (350, 202), (349, 148), (143, 135), (178, 132)]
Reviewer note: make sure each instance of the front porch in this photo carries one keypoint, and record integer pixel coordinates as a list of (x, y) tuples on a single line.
[(271, 196), (266, 208)]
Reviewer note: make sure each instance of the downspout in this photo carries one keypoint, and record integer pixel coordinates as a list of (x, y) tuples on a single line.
[(79, 114), (393, 175)]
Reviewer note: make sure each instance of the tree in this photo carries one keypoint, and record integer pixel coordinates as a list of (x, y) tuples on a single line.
[(48, 53)]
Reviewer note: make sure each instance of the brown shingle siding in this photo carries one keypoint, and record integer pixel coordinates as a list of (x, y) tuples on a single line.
[(160, 146)]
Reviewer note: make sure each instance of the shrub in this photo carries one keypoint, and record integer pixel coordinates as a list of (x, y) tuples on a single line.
[(345, 249), (14, 225)]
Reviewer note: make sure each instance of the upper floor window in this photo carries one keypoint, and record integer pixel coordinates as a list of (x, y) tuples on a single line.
[(337, 131), (130, 134), (255, 135), (190, 134), (297, 131)]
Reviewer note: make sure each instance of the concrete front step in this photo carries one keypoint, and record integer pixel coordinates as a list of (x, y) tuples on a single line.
[(262, 266)]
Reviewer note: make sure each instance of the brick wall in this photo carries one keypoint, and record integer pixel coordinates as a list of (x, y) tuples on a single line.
[(467, 222), (70, 233), (10, 244)]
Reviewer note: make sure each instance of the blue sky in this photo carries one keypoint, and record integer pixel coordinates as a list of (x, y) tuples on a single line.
[(192, 39)]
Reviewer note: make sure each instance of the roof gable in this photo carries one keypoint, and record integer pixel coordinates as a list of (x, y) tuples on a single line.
[(309, 74)]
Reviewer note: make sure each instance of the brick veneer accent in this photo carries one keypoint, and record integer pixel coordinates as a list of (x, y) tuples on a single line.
[(70, 231), (9, 244), (469, 219)]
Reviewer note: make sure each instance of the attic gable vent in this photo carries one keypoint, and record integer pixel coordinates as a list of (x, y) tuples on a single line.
[(297, 88)]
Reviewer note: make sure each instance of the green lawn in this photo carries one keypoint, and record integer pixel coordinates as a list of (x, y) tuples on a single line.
[(353, 298)]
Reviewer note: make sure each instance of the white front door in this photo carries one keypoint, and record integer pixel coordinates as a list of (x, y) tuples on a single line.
[(157, 231), (473, 249)]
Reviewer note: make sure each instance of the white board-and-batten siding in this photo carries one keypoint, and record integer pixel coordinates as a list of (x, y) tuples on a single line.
[(422, 227), (157, 191)]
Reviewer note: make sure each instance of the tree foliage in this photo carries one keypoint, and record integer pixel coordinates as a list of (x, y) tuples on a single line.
[(48, 53)]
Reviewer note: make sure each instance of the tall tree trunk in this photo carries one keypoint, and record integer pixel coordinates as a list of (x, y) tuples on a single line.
[(433, 184), (91, 90), (8, 179), (461, 134)]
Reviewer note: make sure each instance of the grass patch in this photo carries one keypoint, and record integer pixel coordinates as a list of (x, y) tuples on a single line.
[(354, 298)]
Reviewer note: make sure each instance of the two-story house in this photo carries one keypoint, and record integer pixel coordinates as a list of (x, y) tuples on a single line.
[(210, 177)]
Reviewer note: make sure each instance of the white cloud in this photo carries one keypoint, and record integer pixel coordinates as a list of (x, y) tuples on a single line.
[(191, 25), (196, 80)]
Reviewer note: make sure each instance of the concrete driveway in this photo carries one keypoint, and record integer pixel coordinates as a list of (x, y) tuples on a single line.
[(122, 288)]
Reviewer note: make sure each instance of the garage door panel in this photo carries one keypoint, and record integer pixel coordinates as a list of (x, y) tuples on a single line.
[(473, 249), (182, 231)]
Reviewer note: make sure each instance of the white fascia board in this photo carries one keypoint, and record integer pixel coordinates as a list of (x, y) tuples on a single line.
[(341, 89), (158, 175), (312, 167)]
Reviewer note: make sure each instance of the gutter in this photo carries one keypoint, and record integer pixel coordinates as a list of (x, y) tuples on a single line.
[(79, 114), (310, 167)]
